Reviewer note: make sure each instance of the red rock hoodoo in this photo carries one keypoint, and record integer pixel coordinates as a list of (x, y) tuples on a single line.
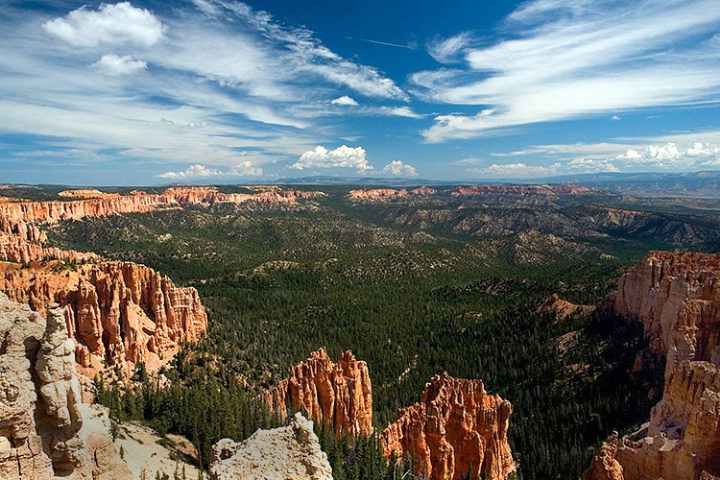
[(677, 298), (456, 430), (338, 394)]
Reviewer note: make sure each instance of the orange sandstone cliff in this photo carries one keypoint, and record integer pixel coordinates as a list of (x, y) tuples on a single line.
[(677, 298), (119, 313), (455, 431), (338, 394)]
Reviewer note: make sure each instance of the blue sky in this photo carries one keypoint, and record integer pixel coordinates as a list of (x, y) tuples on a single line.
[(219, 91)]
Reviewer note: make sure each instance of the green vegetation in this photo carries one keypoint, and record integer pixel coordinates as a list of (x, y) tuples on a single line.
[(412, 287)]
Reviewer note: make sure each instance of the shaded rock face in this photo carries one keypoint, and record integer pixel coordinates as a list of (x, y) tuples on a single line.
[(677, 298), (277, 454), (43, 433), (456, 430), (119, 313), (338, 394)]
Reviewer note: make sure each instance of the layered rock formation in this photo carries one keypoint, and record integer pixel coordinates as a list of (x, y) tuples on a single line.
[(457, 430), (677, 298), (338, 394), (45, 432), (20, 240), (291, 452), (119, 313)]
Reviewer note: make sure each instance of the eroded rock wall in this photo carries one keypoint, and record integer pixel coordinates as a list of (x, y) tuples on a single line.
[(119, 313), (339, 394), (676, 296), (455, 431)]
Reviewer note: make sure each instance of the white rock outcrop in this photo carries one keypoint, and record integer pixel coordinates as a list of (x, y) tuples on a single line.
[(45, 431), (284, 453)]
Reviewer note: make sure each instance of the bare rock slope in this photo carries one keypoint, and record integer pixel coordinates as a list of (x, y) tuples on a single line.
[(277, 454)]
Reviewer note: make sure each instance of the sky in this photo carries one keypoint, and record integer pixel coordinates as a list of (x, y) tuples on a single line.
[(145, 92)]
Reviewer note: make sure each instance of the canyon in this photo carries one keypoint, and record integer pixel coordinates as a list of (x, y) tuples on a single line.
[(676, 296)]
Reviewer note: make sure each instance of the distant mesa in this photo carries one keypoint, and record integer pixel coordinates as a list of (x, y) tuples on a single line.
[(389, 193), (522, 190)]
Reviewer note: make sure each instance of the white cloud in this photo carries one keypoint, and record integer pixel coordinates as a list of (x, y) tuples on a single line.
[(670, 156), (117, 24), (397, 168), (565, 59), (403, 111), (246, 168), (615, 118), (193, 172), (345, 100), (197, 171), (590, 165), (450, 49), (515, 171), (341, 157), (113, 66)]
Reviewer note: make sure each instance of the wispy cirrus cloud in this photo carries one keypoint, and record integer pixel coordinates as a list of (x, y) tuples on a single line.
[(565, 59), (208, 79)]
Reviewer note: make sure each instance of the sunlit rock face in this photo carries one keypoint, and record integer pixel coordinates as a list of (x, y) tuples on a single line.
[(119, 313), (338, 394), (455, 431), (277, 454)]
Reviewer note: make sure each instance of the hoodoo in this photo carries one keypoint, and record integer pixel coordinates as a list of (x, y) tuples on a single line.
[(339, 394), (457, 430)]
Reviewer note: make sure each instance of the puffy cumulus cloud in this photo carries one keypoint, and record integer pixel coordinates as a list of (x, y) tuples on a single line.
[(397, 168), (670, 155), (341, 157), (345, 100), (515, 171), (113, 66), (246, 169), (121, 23), (197, 171), (591, 165), (192, 172)]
